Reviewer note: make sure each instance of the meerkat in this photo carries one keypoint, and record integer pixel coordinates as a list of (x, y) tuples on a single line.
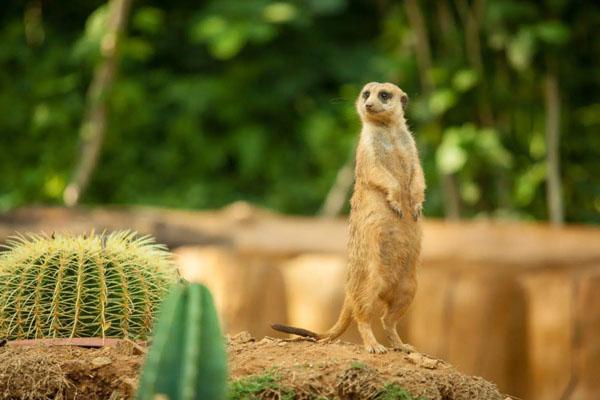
[(384, 228)]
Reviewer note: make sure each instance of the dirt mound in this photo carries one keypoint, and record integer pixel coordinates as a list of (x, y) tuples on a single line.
[(264, 369), (306, 369), (68, 372)]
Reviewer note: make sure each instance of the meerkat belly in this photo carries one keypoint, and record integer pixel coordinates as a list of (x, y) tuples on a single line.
[(378, 235)]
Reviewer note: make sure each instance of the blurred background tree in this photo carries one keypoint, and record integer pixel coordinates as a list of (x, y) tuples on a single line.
[(254, 99)]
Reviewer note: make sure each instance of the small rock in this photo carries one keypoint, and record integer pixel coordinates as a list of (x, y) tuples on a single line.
[(429, 363), (243, 337), (265, 340), (101, 362), (415, 358), (422, 361)]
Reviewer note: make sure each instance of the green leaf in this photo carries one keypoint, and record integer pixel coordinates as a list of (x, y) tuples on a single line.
[(537, 145), (552, 32), (521, 49), (491, 148), (149, 19), (324, 7), (441, 101), (470, 192), (450, 156), (228, 44), (54, 186), (279, 12), (465, 79), (527, 183), (87, 47), (208, 28), (138, 49)]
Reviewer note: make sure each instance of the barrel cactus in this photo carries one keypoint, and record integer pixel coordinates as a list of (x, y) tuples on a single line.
[(65, 286)]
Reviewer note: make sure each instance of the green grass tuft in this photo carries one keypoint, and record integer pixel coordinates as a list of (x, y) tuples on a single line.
[(358, 365), (392, 391), (251, 387)]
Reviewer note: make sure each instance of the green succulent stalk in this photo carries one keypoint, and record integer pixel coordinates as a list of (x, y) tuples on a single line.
[(187, 360), (65, 286)]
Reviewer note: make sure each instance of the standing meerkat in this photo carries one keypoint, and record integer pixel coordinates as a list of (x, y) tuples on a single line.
[(385, 229)]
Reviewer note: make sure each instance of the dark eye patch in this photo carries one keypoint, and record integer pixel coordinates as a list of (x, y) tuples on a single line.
[(366, 94), (385, 96)]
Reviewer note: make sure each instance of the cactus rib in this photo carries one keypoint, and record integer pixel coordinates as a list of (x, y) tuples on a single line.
[(168, 314), (55, 324), (78, 290), (102, 296), (194, 336), (38, 297)]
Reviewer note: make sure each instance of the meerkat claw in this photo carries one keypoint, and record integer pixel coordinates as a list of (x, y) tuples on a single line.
[(405, 348), (396, 207), (376, 349), (417, 212)]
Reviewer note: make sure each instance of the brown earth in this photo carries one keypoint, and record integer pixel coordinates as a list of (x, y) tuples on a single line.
[(309, 369), (68, 372)]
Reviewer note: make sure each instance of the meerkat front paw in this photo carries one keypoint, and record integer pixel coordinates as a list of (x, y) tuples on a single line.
[(395, 204), (417, 211), (397, 207)]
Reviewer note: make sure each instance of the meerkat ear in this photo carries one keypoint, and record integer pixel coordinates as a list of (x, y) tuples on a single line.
[(404, 100)]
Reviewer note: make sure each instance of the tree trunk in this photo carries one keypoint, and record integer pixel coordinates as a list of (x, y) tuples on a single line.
[(93, 127), (553, 183)]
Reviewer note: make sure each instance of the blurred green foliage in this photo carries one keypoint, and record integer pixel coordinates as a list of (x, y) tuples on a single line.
[(254, 99)]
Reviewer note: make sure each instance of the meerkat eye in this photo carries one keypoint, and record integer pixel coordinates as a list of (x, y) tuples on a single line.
[(366, 94), (385, 96)]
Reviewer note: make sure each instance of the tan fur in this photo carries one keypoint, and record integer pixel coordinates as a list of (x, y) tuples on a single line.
[(385, 228)]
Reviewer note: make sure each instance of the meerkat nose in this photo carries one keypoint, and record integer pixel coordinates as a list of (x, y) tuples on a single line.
[(369, 106)]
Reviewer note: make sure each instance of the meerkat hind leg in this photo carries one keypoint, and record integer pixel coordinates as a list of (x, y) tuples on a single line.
[(389, 326), (370, 342), (389, 320)]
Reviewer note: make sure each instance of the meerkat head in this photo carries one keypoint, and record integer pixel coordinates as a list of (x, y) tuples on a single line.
[(381, 103)]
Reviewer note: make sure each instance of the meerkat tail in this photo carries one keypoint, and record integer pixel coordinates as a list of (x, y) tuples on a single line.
[(340, 326), (295, 331)]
